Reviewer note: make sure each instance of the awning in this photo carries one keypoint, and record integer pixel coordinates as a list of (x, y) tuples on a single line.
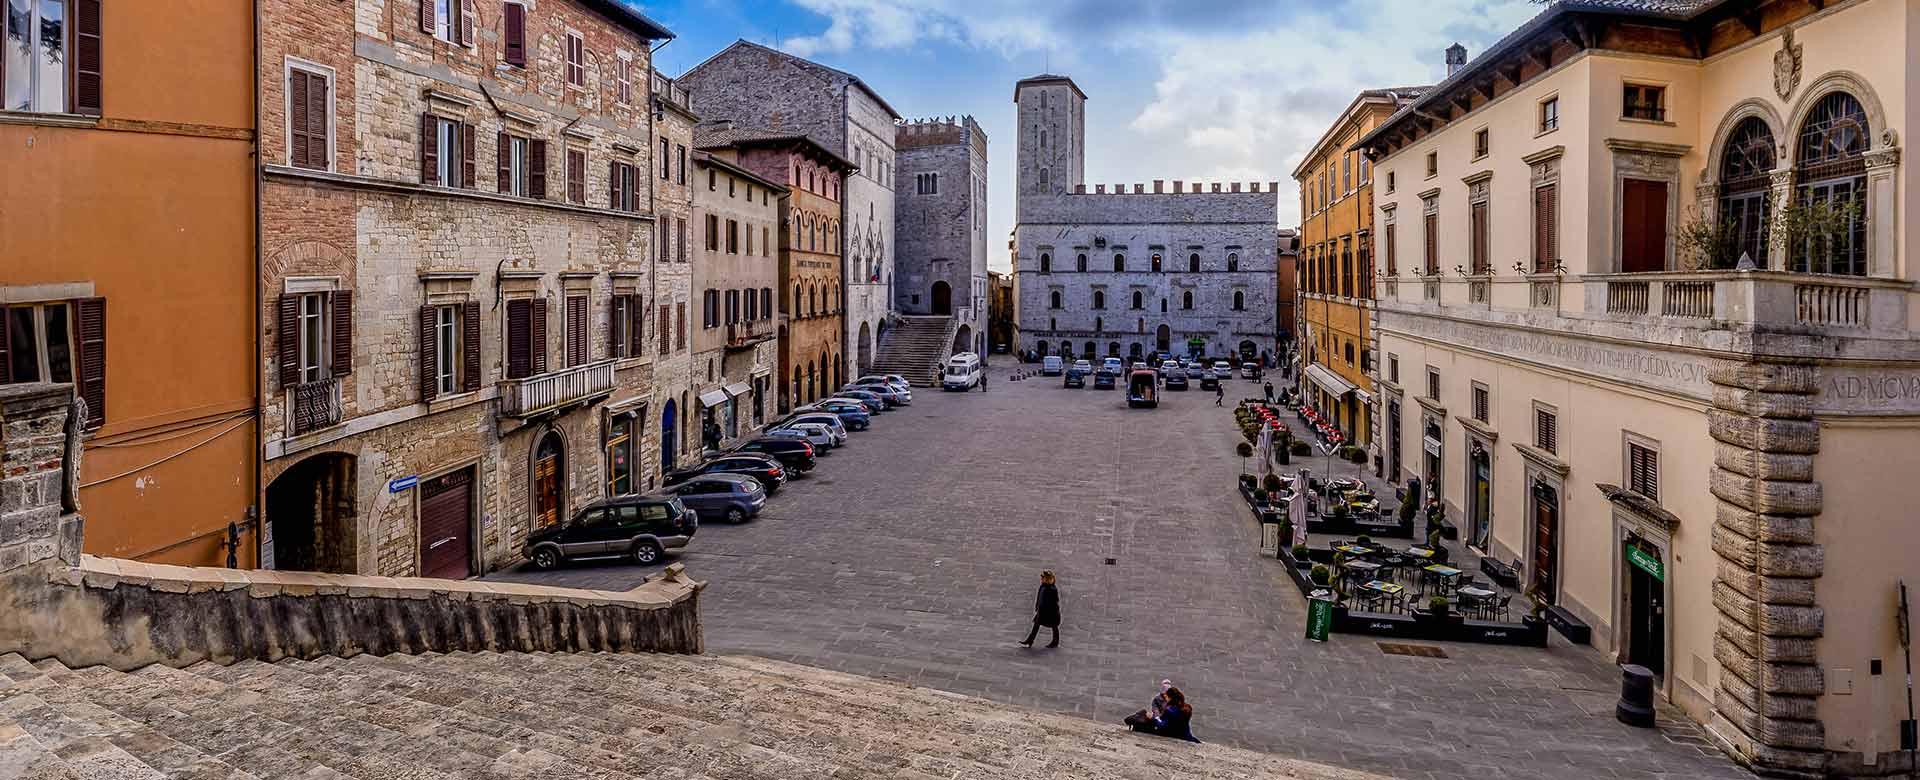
[(1364, 397), (714, 398), (1329, 381), (737, 389)]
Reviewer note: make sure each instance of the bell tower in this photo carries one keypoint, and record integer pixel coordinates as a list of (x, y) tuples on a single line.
[(1052, 144)]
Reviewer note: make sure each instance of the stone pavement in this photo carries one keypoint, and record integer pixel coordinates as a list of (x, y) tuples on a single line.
[(913, 555)]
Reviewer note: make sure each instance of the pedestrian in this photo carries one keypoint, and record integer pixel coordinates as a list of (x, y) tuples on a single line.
[(1170, 716), (1219, 394), (983, 381), (1269, 392), (1046, 611)]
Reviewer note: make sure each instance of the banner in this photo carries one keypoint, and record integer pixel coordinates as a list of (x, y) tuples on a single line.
[(1319, 619)]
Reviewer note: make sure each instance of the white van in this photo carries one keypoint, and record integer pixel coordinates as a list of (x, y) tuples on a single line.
[(1052, 365), (962, 372)]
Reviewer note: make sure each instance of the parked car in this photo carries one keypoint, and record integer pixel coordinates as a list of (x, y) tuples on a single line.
[(1176, 378), (895, 380), (903, 395), (639, 527), (1105, 379), (875, 402), (796, 454), (1052, 365), (1139, 366), (886, 392), (1142, 390), (829, 419), (822, 438), (1085, 366), (1250, 369), (1223, 369), (1075, 378), (761, 467), (1209, 380), (852, 414), (1112, 364), (735, 497)]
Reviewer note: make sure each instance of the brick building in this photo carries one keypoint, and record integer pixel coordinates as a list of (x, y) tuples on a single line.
[(736, 273), (1286, 285), (677, 437), (459, 295), (761, 88), (1132, 272), (942, 223)]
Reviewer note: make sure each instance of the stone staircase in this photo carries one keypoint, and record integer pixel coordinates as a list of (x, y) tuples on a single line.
[(916, 348), (513, 715)]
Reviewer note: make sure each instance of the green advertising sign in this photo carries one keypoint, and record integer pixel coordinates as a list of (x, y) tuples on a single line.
[(1646, 562), (1319, 619)]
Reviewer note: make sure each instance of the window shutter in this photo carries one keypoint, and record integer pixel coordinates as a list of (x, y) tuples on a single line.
[(91, 323), (1546, 233), (537, 168), (538, 335), (86, 57), (614, 347), (466, 155), (1480, 238), (427, 17), (613, 184), (666, 329), (636, 335), (1433, 243), (319, 152), (516, 37), (519, 338), (576, 330), (1393, 260), (467, 14), (6, 362), (297, 121), (429, 356), (680, 327), (503, 163), (289, 341), (470, 346), (342, 358), (429, 151)]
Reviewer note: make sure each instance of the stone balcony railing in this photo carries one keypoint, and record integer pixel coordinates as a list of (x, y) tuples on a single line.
[(746, 333), (532, 395)]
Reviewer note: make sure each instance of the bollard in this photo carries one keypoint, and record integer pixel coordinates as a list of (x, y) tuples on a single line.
[(1636, 697)]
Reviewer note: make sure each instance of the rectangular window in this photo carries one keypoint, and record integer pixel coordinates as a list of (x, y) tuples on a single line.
[(680, 163), (749, 237), (526, 337), (576, 60), (681, 248), (577, 176), (1389, 182), (1432, 256), (623, 83), (314, 333), (36, 43), (309, 119), (733, 237), (446, 25), (1546, 429), (38, 342), (1546, 227), (1480, 144), (1643, 470), (1643, 226), (577, 351), (1433, 163), (514, 166), (1477, 223), (1480, 402), (1550, 114), (623, 182), (713, 233), (446, 349), (1393, 253), (514, 42), (1393, 368), (1643, 101), (1433, 383), (440, 151)]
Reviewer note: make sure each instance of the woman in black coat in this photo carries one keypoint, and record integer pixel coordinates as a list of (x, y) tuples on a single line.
[(1046, 611)]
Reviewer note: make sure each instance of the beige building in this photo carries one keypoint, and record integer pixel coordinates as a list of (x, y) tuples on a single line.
[(672, 438), (736, 268), (1699, 440)]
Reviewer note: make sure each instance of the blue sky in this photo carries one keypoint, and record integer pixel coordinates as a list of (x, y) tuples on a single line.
[(1210, 90)]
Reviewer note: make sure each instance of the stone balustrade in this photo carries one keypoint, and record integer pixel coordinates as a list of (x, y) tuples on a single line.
[(529, 395)]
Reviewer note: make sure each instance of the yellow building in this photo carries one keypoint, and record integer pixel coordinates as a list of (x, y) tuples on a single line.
[(1336, 264)]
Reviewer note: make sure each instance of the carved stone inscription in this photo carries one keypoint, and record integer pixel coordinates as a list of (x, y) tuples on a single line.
[(1672, 372)]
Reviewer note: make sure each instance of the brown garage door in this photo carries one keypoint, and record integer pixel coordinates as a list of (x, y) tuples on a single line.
[(446, 506)]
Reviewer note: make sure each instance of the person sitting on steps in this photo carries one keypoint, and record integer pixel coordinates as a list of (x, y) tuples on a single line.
[(1170, 716)]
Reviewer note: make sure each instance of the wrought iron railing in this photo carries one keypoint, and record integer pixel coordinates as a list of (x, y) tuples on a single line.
[(316, 405)]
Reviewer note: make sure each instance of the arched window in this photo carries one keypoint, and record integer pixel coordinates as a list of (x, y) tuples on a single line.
[(1099, 324), (1099, 299), (1831, 169), (1745, 168), (1137, 303), (1092, 350), (1239, 301), (1046, 263), (1119, 263), (1163, 305), (1186, 299), (1193, 263), (1053, 299), (1082, 266), (1233, 261), (1156, 262)]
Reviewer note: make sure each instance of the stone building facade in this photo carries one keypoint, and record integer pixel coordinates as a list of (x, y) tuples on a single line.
[(1128, 270), (737, 277), (943, 225), (1698, 443), (457, 274), (1001, 324), (758, 87), (677, 438)]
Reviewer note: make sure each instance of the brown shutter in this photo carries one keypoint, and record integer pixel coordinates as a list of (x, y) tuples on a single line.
[(470, 346), (429, 151), (6, 363), (86, 57), (576, 330), (1393, 261), (319, 152), (537, 335), (1479, 238), (91, 323), (1433, 243), (519, 343), (613, 184), (537, 168), (466, 155), (680, 328), (516, 37), (666, 328), (613, 330), (467, 14), (289, 341), (342, 362), (297, 119), (503, 164), (637, 334), (429, 356), (427, 18)]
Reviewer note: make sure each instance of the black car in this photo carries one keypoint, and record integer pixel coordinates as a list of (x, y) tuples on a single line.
[(1209, 380), (1104, 379), (735, 497), (795, 454), (761, 467), (639, 527), (1075, 378), (1176, 378)]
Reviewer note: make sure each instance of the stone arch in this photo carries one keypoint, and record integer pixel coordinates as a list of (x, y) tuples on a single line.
[(311, 507), (547, 491), (864, 350), (1751, 107), (942, 299), (1837, 81), (963, 339)]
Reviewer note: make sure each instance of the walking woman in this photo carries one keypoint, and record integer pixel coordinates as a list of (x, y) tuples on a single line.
[(1046, 611)]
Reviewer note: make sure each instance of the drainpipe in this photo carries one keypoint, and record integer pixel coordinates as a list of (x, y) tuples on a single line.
[(256, 515)]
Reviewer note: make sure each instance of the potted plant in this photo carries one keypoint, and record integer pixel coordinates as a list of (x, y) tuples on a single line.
[(1259, 499), (1319, 574), (1363, 540), (1300, 555), (1272, 483), (1437, 607), (1286, 528), (1248, 482), (1300, 448)]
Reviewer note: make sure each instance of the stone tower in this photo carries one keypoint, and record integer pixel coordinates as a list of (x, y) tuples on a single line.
[(1053, 133)]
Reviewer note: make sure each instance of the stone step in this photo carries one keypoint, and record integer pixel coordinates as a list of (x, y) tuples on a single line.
[(68, 692)]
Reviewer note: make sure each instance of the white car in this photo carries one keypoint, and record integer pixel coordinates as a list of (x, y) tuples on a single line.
[(813, 433), (1222, 368), (1083, 366), (830, 420), (906, 395), (896, 380)]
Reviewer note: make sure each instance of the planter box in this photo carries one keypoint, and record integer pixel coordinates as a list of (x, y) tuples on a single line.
[(1573, 628)]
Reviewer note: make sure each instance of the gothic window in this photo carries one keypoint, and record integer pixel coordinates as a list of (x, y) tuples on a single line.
[(1137, 303), (1193, 263), (1233, 261), (1745, 166), (1239, 300), (1831, 168), (1046, 263), (1082, 262), (1119, 263), (1053, 300), (1186, 299), (1099, 299)]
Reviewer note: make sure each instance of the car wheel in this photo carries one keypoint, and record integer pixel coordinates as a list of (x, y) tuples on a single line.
[(646, 553), (546, 558), (736, 516)]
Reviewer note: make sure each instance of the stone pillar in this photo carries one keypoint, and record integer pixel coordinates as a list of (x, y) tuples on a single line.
[(1780, 182), (1766, 698), (38, 521)]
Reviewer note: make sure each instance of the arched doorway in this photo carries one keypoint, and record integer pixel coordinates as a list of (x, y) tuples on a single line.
[(668, 427), (942, 299), (1163, 339), (310, 516), (963, 339), (865, 349), (549, 479), (1040, 349), (1479, 495), (1248, 349)]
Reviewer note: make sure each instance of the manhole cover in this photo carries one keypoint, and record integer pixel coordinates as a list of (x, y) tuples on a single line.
[(1417, 651)]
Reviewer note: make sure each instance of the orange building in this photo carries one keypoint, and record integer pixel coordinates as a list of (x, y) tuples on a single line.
[(126, 142)]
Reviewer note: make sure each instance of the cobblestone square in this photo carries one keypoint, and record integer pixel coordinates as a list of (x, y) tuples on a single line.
[(913, 554)]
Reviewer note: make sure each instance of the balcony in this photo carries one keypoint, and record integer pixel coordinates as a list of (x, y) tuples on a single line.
[(534, 395), (316, 405), (1775, 301), (746, 333)]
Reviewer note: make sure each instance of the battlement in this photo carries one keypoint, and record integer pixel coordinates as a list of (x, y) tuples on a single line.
[(1179, 188), (939, 131)]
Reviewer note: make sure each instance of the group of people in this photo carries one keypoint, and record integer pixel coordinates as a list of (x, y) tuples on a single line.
[(1168, 715)]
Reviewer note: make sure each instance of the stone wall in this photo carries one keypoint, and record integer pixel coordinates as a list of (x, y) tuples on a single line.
[(39, 520)]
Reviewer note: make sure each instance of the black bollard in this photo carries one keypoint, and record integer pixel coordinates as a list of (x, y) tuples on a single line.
[(1636, 697)]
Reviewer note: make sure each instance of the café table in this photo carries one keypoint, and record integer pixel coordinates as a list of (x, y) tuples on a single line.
[(1380, 590), (1423, 553), (1441, 573), (1353, 549), (1475, 595), (1364, 567)]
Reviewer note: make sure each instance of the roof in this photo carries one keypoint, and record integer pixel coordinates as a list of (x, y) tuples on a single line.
[(720, 138), (1046, 78), (1396, 96), (630, 17), (704, 157), (804, 62), (1672, 10)]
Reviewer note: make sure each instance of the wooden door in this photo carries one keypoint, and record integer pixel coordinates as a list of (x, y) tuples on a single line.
[(546, 483), (446, 525), (1546, 533), (1643, 232)]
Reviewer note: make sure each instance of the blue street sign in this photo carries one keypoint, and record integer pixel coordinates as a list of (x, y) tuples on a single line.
[(402, 483)]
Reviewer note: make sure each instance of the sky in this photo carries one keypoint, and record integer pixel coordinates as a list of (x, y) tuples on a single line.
[(1207, 90)]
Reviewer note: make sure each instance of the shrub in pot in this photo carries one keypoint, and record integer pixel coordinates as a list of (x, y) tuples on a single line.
[(1437, 606), (1300, 552), (1286, 529), (1272, 483), (1300, 448), (1245, 449), (1359, 456), (1260, 496), (1320, 574), (1248, 481)]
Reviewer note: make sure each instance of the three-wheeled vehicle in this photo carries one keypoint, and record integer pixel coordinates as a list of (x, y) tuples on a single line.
[(1143, 391)]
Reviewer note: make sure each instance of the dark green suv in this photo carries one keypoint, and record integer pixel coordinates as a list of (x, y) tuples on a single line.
[(642, 528)]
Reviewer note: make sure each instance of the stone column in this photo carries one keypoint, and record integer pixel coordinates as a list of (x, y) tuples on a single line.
[(38, 522), (1765, 701), (1781, 190), (1882, 208)]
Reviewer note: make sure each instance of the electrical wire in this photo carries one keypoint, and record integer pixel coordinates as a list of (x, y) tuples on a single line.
[(202, 443), (180, 434)]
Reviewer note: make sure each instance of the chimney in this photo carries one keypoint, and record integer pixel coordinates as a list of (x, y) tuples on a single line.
[(1178, 186), (1159, 186), (1236, 186), (1456, 59)]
